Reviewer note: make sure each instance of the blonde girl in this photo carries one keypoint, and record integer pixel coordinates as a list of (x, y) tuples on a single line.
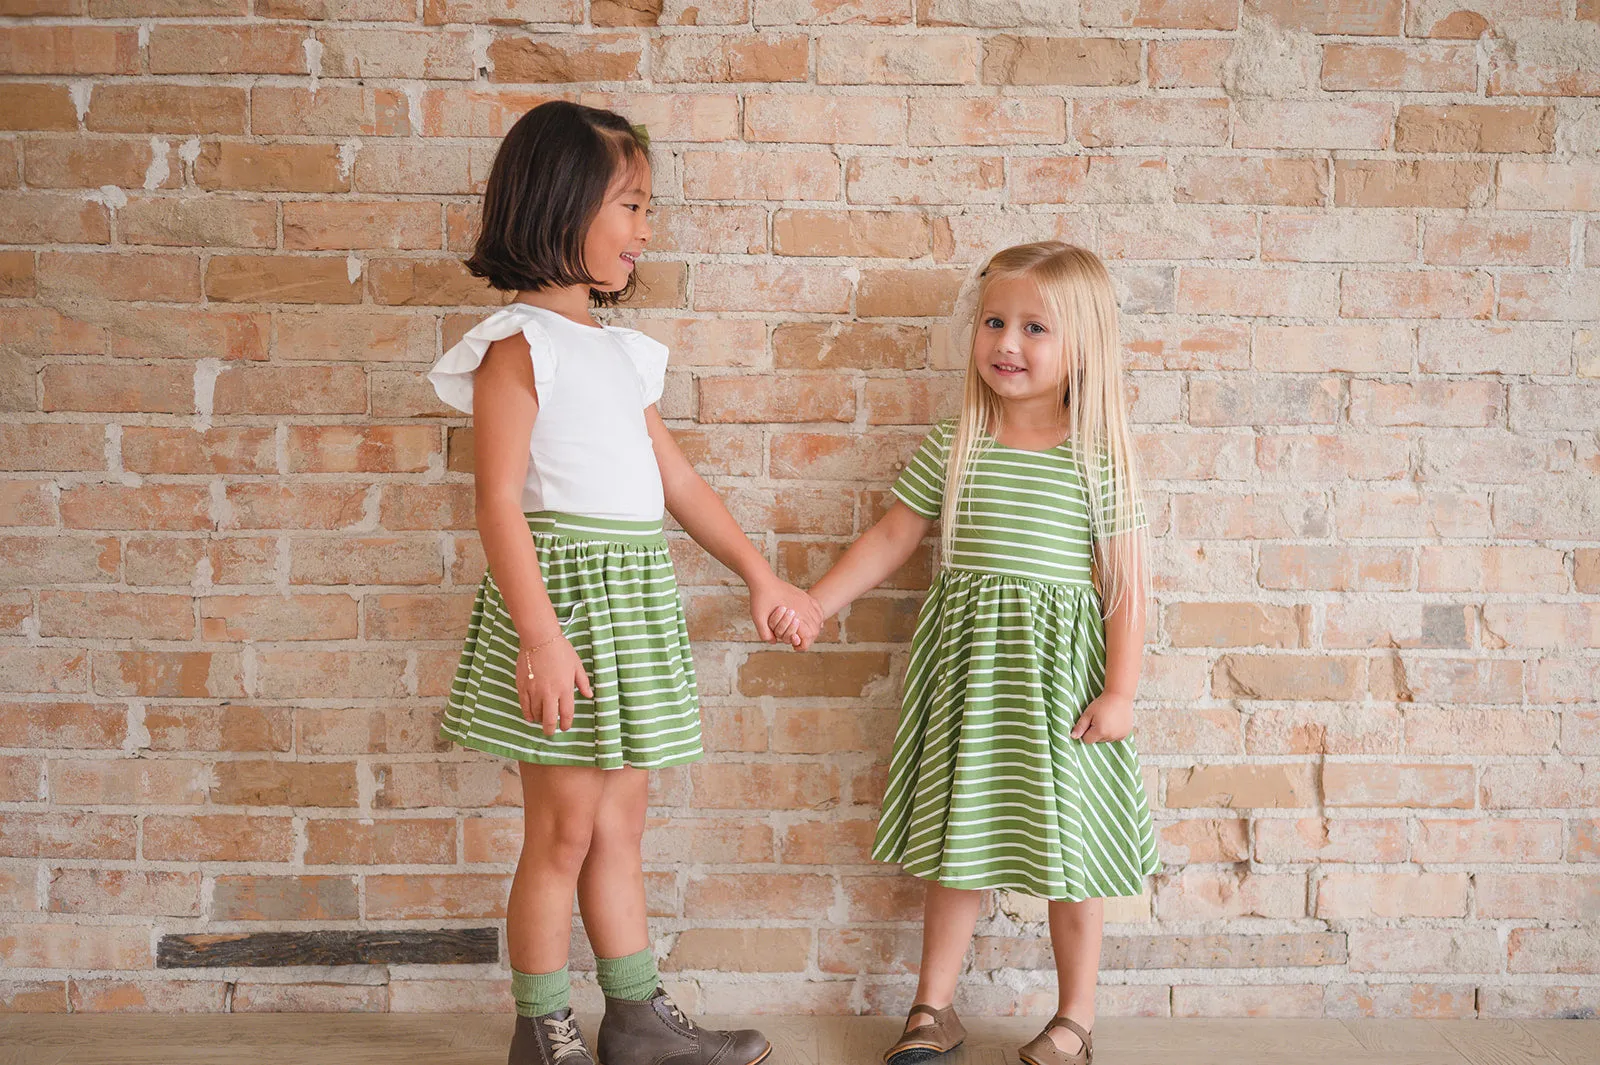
[(1012, 766)]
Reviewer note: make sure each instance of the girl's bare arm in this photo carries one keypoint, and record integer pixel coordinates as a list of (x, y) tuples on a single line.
[(504, 406), (871, 560), (701, 512)]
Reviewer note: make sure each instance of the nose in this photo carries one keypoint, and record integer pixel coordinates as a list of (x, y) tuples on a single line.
[(646, 230)]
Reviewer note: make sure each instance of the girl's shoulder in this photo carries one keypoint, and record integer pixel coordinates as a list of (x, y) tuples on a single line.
[(452, 375)]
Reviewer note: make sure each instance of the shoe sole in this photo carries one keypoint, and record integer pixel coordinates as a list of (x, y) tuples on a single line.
[(932, 1051), (757, 1060), (1029, 1061)]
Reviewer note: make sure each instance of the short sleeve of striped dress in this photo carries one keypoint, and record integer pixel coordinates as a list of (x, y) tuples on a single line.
[(1132, 517), (920, 485)]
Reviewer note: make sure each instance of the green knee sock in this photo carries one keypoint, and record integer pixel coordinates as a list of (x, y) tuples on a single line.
[(541, 993), (632, 979)]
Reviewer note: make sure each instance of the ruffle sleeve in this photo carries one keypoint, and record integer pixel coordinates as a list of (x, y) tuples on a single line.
[(452, 375), (649, 357)]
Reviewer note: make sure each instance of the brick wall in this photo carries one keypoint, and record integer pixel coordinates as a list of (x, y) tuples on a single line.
[(1359, 252)]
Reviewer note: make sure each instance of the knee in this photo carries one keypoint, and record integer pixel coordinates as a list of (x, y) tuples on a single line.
[(620, 828), (558, 844)]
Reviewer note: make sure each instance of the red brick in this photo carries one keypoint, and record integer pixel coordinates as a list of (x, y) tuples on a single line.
[(831, 12), (244, 618), (988, 120), (69, 50), (157, 108), (825, 119), (565, 58), (1495, 841), (127, 782), (1402, 68), (896, 60), (1315, 839), (1296, 124), (761, 949), (51, 446), (170, 507), (115, 615), (1015, 60), (62, 835), (1286, 181), (280, 783), (1354, 17), (1345, 895), (1411, 183), (755, 58), (120, 276), (125, 891), (427, 282), (168, 674), (218, 838), (1184, 64), (1511, 241), (761, 175), (1150, 121), (153, 449), (1416, 294), (399, 841), (33, 105), (1355, 784), (52, 218), (926, 179), (61, 559), (74, 946), (1475, 128), (271, 167), (372, 560), (1255, 292), (298, 390), (259, 49), (236, 727), (332, 111), (362, 449), (758, 895), (1161, 14)]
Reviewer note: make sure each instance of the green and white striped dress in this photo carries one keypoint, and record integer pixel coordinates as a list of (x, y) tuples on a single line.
[(987, 787)]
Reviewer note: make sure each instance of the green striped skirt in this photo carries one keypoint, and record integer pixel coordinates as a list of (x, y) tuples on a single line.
[(987, 787), (613, 589)]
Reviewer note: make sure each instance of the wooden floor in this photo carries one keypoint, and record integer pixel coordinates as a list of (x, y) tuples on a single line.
[(474, 1039)]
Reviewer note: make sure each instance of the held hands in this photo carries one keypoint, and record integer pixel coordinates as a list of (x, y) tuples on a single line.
[(546, 676), (783, 612), (1108, 718)]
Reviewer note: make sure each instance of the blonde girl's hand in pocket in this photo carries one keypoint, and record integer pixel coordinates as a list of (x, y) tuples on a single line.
[(547, 674)]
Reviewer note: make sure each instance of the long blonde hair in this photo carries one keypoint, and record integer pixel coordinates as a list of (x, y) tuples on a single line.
[(1078, 294)]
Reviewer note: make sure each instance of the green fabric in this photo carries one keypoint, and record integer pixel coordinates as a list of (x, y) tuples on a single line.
[(612, 583), (541, 993), (632, 978), (987, 788)]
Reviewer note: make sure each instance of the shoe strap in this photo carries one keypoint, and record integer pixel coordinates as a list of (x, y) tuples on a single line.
[(1075, 1028), (938, 1016)]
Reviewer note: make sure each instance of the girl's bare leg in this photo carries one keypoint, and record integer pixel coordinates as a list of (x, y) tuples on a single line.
[(559, 805), (949, 916), (1076, 931)]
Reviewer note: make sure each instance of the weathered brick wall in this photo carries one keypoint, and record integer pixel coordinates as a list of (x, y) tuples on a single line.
[(1358, 248)]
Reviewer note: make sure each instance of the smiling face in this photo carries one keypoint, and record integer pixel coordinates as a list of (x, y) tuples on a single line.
[(1015, 348), (620, 230)]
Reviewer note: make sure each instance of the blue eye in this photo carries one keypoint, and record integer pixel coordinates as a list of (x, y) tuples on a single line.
[(1036, 329), (993, 323)]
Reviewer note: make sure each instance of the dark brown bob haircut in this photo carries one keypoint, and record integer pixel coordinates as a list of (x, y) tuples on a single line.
[(549, 180)]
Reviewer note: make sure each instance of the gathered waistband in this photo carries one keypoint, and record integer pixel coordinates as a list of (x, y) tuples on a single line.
[(582, 528)]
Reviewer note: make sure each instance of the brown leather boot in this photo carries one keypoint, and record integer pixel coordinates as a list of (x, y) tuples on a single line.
[(551, 1039), (927, 1041), (655, 1032)]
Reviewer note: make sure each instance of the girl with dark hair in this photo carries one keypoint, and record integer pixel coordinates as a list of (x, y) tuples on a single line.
[(577, 659)]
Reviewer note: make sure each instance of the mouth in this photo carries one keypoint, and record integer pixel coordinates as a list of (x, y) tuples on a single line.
[(630, 257), (1007, 368)]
